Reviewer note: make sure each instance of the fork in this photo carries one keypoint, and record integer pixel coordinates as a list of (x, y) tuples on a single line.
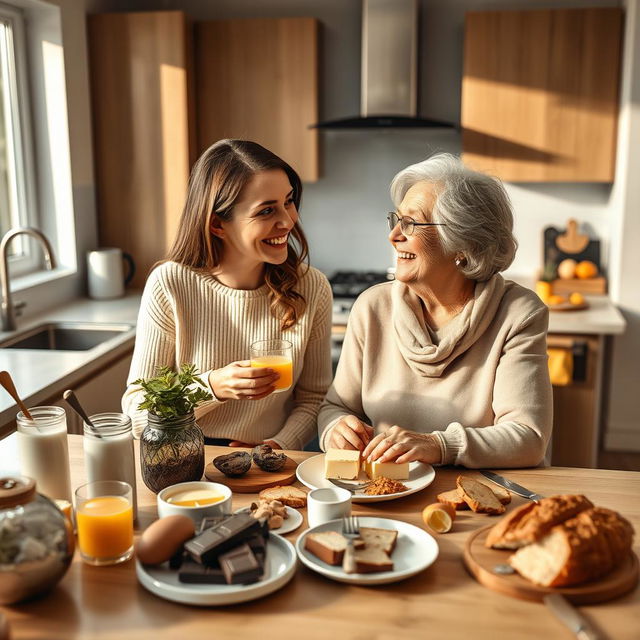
[(351, 531), (350, 486)]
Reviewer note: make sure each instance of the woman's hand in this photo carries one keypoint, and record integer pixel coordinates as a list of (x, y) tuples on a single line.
[(240, 381), (350, 433), (399, 445)]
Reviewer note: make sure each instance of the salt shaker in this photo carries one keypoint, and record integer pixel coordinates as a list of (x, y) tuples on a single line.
[(43, 450), (108, 450)]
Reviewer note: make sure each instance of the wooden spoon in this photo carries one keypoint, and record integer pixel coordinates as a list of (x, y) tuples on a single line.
[(7, 382)]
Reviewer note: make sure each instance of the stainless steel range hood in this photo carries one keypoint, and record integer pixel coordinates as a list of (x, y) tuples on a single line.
[(389, 91)]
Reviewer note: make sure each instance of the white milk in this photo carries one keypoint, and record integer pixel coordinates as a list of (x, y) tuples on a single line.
[(110, 456), (43, 451)]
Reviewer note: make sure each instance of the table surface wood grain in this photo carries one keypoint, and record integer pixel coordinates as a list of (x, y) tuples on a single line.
[(443, 601)]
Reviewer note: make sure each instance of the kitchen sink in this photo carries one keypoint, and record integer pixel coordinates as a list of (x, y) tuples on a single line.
[(65, 336)]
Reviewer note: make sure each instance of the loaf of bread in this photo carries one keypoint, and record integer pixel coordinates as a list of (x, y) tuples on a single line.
[(290, 496), (478, 496), (530, 522), (580, 549)]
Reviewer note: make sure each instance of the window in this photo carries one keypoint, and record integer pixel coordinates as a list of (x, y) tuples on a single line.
[(17, 201)]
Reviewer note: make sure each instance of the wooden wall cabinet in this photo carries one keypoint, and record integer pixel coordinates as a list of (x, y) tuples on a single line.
[(257, 79), (540, 93), (143, 123)]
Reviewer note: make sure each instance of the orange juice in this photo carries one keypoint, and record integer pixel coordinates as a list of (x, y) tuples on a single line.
[(280, 364), (105, 527), (195, 498)]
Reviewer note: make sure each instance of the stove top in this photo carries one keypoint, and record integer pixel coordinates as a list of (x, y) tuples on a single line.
[(350, 284)]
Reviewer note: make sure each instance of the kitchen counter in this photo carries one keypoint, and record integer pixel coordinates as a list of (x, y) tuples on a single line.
[(443, 601), (40, 374)]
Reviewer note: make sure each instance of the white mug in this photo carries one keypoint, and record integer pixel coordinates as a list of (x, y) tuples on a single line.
[(327, 504), (105, 273)]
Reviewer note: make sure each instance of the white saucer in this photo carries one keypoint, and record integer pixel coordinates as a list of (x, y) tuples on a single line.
[(279, 569), (294, 520), (311, 474), (415, 551)]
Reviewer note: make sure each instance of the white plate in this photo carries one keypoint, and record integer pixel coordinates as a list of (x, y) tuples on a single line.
[(415, 551), (311, 474), (279, 569), (290, 524)]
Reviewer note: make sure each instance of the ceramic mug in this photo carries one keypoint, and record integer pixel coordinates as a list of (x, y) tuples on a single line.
[(196, 513), (106, 274), (327, 504)]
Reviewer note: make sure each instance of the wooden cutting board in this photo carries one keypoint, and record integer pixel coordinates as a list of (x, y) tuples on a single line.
[(255, 479), (480, 562)]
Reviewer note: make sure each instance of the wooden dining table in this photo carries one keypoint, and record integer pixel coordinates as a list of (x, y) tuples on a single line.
[(443, 601)]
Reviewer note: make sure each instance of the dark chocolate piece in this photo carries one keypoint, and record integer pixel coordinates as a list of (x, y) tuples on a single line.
[(234, 464), (267, 459), (176, 560), (211, 521), (208, 545), (194, 573), (240, 565), (258, 545)]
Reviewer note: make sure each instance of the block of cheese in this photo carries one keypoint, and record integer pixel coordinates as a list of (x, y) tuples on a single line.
[(391, 470), (341, 464)]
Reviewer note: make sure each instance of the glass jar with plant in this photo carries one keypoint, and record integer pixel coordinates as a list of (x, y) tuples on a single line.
[(172, 444)]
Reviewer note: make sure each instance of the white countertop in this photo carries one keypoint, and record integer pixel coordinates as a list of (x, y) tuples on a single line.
[(39, 375), (602, 317)]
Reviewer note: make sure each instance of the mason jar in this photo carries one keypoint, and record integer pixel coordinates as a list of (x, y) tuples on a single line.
[(44, 452), (171, 451), (108, 450)]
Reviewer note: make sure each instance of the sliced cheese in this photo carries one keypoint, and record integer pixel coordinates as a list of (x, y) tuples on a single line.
[(341, 464), (391, 470)]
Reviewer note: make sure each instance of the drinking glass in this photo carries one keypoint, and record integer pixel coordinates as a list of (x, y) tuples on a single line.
[(104, 519), (276, 355)]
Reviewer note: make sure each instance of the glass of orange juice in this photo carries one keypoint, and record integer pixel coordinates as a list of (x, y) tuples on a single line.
[(276, 355), (104, 520)]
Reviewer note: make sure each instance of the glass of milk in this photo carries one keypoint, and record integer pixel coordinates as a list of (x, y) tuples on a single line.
[(108, 450), (43, 450)]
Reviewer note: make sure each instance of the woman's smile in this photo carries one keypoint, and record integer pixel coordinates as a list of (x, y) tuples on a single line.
[(277, 240)]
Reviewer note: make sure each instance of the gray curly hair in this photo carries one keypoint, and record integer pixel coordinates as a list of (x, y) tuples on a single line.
[(475, 208)]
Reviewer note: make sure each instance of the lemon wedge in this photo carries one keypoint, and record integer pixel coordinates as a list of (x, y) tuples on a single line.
[(438, 517)]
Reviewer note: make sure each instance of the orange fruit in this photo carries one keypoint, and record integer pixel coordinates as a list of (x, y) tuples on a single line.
[(439, 517), (576, 298), (556, 299), (543, 289), (586, 269), (567, 269)]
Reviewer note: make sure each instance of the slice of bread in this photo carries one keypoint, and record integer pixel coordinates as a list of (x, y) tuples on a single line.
[(290, 496), (372, 560), (530, 522), (478, 496), (454, 499), (384, 539), (501, 493), (329, 546)]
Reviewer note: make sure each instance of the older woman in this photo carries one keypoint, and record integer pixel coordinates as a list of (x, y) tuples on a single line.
[(448, 363)]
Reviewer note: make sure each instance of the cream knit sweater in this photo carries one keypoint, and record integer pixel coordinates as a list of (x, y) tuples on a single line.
[(186, 316), (482, 388)]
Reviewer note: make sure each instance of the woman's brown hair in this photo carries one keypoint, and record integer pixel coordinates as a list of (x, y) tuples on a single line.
[(216, 180)]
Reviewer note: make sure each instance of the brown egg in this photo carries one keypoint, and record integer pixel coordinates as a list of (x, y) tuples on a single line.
[(162, 538)]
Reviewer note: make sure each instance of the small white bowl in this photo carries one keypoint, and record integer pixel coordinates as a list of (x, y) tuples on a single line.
[(221, 508)]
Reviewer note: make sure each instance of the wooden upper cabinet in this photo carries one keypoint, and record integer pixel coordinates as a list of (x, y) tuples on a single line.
[(540, 94), (140, 67), (257, 80)]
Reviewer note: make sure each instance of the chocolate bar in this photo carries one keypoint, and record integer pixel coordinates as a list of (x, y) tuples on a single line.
[(194, 573), (240, 566), (211, 521), (258, 545), (208, 545)]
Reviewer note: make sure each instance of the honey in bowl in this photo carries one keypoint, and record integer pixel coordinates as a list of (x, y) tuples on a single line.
[(194, 498)]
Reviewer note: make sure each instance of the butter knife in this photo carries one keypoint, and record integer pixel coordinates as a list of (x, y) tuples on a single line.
[(512, 486), (571, 617)]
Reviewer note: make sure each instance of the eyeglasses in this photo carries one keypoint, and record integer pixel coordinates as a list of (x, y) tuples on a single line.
[(407, 224)]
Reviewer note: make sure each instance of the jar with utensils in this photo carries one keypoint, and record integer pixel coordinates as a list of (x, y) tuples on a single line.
[(108, 450), (43, 450), (37, 543)]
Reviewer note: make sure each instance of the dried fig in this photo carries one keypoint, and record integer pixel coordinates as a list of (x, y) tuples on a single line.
[(233, 464), (267, 459)]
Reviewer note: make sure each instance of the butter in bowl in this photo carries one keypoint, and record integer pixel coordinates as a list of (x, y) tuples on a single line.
[(197, 500)]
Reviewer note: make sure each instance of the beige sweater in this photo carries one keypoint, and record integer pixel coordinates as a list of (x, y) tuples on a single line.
[(189, 317), (483, 388)]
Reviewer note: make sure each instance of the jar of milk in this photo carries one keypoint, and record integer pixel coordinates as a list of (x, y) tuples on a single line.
[(43, 450), (108, 450)]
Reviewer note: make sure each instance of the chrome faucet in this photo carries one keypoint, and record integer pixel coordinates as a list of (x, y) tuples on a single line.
[(6, 306)]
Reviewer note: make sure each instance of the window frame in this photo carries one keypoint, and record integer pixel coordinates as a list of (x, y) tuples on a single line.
[(23, 259)]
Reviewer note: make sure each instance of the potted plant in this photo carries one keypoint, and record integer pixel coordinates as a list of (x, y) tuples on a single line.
[(172, 444)]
